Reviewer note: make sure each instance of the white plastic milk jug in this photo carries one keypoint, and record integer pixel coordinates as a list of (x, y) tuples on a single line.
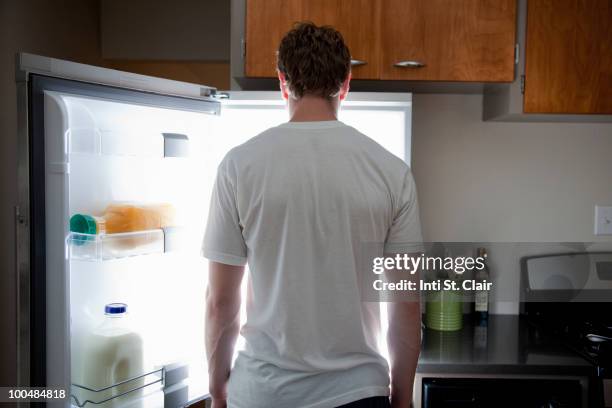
[(108, 355)]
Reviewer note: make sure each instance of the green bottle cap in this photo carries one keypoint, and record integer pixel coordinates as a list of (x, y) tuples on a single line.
[(83, 224)]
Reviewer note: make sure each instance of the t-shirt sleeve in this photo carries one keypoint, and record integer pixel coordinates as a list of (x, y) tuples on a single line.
[(404, 235), (223, 239)]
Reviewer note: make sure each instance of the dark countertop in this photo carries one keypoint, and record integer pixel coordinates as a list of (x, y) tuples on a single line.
[(508, 345)]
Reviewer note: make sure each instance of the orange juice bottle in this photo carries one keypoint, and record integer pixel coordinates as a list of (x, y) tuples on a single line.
[(134, 217)]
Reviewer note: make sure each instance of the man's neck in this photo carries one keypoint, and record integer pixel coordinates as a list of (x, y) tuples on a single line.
[(311, 108)]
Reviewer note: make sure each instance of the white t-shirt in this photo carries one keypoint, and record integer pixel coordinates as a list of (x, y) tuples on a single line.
[(296, 202)]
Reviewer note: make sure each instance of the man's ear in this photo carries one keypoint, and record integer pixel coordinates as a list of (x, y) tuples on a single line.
[(344, 89), (283, 85)]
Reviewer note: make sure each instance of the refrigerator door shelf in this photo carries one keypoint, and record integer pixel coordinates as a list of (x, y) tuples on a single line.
[(87, 247), (82, 396)]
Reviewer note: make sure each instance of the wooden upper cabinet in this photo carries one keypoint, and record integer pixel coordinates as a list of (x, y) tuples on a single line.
[(568, 57), (448, 40), (268, 20)]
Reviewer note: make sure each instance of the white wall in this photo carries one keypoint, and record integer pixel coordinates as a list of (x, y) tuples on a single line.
[(507, 182)]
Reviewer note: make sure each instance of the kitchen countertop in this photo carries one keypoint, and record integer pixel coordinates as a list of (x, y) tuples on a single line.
[(508, 345)]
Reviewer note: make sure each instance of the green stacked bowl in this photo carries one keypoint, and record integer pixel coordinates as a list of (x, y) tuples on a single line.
[(444, 311)]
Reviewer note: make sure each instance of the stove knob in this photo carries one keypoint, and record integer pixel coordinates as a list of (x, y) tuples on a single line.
[(551, 404)]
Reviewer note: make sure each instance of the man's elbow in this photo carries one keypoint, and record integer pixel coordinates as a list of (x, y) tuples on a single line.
[(219, 306), (405, 321)]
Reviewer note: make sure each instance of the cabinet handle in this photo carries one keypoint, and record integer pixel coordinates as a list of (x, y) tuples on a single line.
[(356, 62), (409, 64)]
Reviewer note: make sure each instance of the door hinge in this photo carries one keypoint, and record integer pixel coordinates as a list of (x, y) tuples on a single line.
[(20, 219), (220, 95), (522, 84), (516, 53), (243, 47)]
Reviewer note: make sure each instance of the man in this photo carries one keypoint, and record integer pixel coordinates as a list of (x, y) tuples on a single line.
[(297, 202)]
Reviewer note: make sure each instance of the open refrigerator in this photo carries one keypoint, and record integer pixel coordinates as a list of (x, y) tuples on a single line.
[(90, 137)]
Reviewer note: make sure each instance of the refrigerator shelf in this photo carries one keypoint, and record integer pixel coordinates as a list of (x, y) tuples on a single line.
[(87, 247), (100, 394)]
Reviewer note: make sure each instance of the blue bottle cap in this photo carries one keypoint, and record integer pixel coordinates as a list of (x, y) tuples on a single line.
[(115, 308)]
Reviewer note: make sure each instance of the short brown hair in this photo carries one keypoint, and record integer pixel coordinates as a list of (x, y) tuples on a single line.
[(315, 60)]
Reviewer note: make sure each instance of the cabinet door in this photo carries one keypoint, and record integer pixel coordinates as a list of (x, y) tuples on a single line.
[(569, 57), (448, 40), (268, 20)]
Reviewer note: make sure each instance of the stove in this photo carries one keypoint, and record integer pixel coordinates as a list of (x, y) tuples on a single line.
[(568, 297), (593, 341), (574, 326)]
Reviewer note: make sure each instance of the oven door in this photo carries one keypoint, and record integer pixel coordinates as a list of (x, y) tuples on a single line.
[(502, 393)]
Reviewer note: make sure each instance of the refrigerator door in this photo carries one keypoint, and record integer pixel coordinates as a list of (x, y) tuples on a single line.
[(99, 137), (124, 138)]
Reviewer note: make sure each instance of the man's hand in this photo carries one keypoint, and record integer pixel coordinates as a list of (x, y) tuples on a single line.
[(222, 326)]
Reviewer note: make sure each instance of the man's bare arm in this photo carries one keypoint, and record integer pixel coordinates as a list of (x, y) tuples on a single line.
[(222, 325), (404, 341)]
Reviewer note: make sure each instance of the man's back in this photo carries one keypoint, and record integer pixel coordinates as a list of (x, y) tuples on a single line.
[(298, 202)]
